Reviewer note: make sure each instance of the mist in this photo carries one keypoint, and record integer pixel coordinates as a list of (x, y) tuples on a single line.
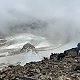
[(56, 20)]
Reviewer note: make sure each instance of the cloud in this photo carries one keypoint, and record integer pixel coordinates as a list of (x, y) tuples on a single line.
[(60, 17)]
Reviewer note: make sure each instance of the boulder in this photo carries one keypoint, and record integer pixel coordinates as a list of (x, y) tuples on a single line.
[(27, 47)]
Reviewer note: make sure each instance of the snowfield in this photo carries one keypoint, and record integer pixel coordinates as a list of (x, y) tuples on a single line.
[(44, 48)]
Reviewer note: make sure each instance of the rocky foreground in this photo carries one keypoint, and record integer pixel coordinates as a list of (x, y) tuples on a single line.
[(57, 67)]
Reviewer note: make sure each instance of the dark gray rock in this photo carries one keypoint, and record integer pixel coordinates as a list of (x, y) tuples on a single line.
[(27, 47)]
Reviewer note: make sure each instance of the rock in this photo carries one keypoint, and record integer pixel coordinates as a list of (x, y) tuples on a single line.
[(53, 56), (45, 58), (24, 78), (11, 66), (61, 56), (72, 52), (63, 78), (73, 75), (77, 68), (47, 69), (27, 47)]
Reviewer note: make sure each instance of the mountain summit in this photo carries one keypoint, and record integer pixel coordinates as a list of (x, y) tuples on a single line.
[(27, 47)]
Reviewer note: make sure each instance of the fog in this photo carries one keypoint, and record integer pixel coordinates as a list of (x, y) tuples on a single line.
[(57, 20)]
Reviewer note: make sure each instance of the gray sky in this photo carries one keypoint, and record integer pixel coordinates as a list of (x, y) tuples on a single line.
[(21, 9), (62, 16)]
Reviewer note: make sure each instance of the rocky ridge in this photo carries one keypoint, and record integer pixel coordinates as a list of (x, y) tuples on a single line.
[(62, 66)]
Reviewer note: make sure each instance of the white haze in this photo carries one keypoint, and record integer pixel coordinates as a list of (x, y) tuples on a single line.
[(60, 17), (49, 25)]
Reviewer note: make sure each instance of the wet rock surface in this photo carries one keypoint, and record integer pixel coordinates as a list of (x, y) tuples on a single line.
[(57, 67)]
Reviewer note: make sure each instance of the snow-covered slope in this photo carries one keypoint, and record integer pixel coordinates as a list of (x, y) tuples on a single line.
[(10, 51)]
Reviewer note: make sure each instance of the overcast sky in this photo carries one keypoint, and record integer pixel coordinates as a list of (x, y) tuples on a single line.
[(21, 9), (66, 14)]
